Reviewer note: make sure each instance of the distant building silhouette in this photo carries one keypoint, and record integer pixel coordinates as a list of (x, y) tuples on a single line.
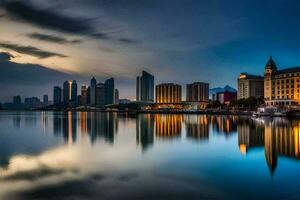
[(145, 87), (109, 91), (45, 100), (84, 95), (57, 95), (93, 91), (116, 96), (66, 91), (74, 92), (100, 95)]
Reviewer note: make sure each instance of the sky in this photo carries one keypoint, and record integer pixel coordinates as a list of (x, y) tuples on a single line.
[(43, 43)]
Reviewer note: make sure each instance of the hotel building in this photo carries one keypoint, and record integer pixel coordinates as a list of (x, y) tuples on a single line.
[(282, 87), (196, 92), (250, 86), (168, 93)]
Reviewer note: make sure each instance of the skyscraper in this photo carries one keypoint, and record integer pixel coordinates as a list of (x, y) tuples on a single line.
[(196, 92), (66, 91), (109, 91), (74, 92), (250, 86), (100, 95), (93, 91), (56, 95), (145, 87), (45, 100), (84, 96), (116, 96)]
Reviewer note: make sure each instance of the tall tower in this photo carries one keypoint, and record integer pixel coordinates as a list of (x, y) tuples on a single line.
[(66, 91), (93, 91), (270, 69), (74, 92), (145, 87)]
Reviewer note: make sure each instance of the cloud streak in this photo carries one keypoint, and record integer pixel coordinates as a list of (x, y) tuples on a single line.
[(5, 56), (55, 21), (52, 38), (30, 50)]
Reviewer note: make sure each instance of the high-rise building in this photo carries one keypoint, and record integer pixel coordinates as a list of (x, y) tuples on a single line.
[(281, 87), (116, 96), (145, 87), (93, 91), (168, 93), (74, 92), (250, 86), (100, 95), (56, 95), (66, 91), (109, 91), (84, 95), (17, 100), (45, 100), (196, 92)]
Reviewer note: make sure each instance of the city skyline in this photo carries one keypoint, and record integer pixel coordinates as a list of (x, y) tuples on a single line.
[(112, 42)]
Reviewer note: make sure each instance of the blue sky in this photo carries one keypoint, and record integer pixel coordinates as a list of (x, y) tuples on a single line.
[(179, 41)]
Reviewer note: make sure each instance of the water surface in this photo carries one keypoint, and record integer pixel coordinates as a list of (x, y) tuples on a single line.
[(86, 155)]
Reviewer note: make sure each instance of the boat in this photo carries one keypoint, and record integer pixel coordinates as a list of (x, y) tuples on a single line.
[(269, 111)]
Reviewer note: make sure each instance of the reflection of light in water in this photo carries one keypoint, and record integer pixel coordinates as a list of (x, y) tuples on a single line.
[(243, 149), (70, 137)]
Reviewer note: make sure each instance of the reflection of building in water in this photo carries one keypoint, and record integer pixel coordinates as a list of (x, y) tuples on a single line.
[(197, 126), (102, 125), (83, 123), (69, 122), (168, 125), (57, 123), (145, 130), (224, 124), (279, 138), (250, 134), (17, 120)]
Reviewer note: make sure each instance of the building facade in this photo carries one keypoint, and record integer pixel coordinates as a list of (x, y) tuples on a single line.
[(66, 91), (282, 87), (196, 92), (100, 96), (116, 96), (84, 95), (57, 95), (250, 86), (145, 87), (93, 91), (168, 93), (74, 92), (109, 91)]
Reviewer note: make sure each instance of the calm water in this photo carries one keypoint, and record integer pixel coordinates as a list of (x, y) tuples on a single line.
[(55, 155)]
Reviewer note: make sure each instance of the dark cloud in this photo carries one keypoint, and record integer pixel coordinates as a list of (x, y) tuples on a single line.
[(46, 18), (52, 38), (49, 19), (129, 41), (30, 50), (5, 56)]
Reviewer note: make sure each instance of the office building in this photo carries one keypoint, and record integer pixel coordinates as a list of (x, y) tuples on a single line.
[(56, 95), (197, 92), (116, 96), (100, 95), (66, 91), (250, 86), (74, 92), (281, 87), (109, 91), (145, 87), (45, 100), (93, 91), (84, 95), (17, 100), (168, 93)]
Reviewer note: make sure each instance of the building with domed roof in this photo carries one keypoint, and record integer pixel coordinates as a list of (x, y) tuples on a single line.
[(281, 87)]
